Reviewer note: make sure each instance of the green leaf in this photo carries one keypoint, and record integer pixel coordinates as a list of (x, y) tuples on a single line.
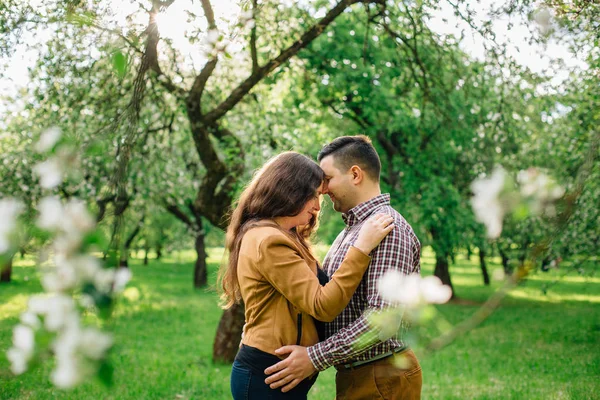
[(521, 212), (106, 373), (119, 64)]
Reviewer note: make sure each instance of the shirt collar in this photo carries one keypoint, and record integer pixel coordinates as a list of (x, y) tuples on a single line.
[(363, 210)]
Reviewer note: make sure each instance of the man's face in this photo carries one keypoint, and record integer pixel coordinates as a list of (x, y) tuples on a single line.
[(338, 185)]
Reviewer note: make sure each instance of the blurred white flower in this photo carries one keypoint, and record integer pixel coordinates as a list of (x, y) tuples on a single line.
[(246, 15), (78, 220), (67, 373), (122, 276), (18, 360), (51, 213), (9, 211), (30, 319), (86, 266), (104, 279), (398, 288), (57, 309), (543, 17), (87, 301), (74, 347), (539, 189), (434, 291), (212, 36), (48, 139), (23, 348), (37, 304), (59, 279), (76, 350), (50, 173), (94, 344), (23, 339), (486, 203), (66, 245), (412, 290)]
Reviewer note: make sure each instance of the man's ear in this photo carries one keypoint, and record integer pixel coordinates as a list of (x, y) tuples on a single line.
[(357, 174)]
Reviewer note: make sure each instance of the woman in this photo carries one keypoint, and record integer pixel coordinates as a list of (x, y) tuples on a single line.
[(271, 267)]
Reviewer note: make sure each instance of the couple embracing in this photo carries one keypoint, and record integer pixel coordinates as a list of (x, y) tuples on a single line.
[(302, 318)]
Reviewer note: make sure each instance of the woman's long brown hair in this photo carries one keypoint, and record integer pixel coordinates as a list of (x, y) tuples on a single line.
[(280, 188)]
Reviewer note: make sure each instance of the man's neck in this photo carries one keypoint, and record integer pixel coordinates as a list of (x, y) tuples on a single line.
[(366, 194)]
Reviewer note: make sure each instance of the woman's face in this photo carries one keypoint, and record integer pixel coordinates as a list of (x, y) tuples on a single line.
[(309, 210)]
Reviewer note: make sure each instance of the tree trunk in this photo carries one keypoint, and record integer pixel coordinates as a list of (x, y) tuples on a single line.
[(484, 271), (125, 252), (469, 253), (6, 271), (200, 272), (158, 252), (505, 260), (229, 334), (23, 252), (442, 271), (146, 255)]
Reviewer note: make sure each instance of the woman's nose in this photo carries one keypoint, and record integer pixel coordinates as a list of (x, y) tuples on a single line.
[(318, 204)]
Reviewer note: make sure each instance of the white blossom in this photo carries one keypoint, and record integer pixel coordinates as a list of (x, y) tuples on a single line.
[(51, 213), (59, 279), (486, 203), (434, 291), (212, 36), (18, 360), (539, 187), (104, 279), (78, 220), (23, 348), (94, 344), (122, 276), (412, 290), (50, 173), (23, 339), (9, 211), (76, 349), (30, 319), (544, 19), (48, 139), (57, 309), (67, 373)]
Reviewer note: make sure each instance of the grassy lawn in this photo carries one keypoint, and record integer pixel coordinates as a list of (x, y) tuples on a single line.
[(534, 346)]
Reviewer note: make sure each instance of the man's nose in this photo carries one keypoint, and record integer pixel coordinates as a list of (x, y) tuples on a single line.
[(325, 188)]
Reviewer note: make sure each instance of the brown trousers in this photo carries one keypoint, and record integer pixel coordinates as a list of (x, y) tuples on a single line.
[(382, 379)]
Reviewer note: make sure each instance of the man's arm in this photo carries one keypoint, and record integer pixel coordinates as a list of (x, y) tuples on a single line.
[(397, 251)]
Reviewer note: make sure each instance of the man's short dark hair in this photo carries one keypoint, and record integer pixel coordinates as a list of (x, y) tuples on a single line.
[(353, 150)]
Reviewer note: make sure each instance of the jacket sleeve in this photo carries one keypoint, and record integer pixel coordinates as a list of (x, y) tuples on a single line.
[(290, 275)]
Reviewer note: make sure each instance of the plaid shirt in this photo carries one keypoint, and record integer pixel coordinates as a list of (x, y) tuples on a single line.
[(351, 338)]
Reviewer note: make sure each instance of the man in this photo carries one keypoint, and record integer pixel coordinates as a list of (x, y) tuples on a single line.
[(365, 360)]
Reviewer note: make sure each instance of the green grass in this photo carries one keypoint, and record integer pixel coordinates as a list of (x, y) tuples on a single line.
[(534, 346)]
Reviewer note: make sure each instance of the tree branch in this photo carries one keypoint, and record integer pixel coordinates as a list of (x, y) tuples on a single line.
[(194, 98), (311, 34), (180, 215), (253, 52)]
